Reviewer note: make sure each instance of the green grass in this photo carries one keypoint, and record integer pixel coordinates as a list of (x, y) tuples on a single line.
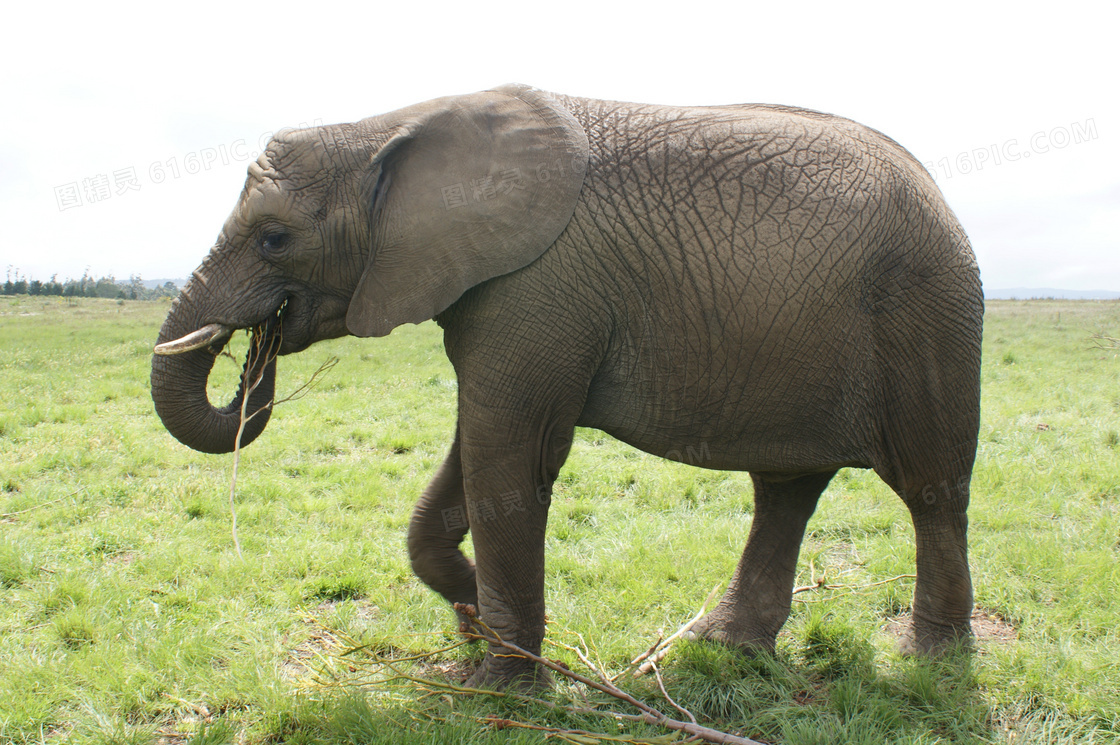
[(127, 616)]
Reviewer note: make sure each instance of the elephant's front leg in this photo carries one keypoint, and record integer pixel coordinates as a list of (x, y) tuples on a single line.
[(439, 523), (508, 491)]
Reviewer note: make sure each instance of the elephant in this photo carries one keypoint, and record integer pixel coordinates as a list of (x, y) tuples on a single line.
[(782, 290)]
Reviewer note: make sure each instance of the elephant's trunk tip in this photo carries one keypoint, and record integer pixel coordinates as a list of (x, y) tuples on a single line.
[(195, 340)]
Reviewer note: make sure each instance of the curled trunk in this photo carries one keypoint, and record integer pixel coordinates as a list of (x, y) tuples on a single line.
[(179, 387)]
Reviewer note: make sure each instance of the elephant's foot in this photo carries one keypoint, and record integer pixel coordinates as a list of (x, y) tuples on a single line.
[(501, 673), (501, 668), (928, 638), (743, 634)]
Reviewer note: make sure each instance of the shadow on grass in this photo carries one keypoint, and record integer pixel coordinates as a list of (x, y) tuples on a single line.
[(830, 688), (360, 716), (830, 685)]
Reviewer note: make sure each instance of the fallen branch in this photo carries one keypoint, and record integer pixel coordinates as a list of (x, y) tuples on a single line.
[(584, 657), (384, 671), (438, 686), (414, 658), (431, 687), (1100, 341), (649, 714)]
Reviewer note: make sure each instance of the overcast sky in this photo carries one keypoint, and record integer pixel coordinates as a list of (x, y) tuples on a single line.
[(127, 130)]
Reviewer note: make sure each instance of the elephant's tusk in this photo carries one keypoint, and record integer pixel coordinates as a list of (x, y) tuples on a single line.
[(194, 340)]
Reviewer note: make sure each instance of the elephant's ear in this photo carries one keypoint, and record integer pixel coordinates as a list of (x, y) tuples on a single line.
[(467, 188)]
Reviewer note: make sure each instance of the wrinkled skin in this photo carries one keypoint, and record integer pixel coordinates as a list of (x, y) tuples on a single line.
[(752, 288)]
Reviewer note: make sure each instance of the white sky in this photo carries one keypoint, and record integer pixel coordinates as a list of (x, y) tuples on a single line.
[(94, 89)]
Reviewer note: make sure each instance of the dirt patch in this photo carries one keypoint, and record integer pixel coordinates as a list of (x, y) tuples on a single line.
[(177, 731), (992, 627), (988, 627), (456, 671), (124, 558)]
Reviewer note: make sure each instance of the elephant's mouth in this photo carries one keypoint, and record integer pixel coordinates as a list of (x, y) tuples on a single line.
[(266, 339), (180, 371)]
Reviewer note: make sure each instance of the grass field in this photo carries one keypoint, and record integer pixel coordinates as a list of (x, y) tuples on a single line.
[(128, 617)]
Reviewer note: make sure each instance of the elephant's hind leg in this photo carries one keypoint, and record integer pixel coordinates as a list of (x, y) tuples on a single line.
[(439, 523), (937, 495), (943, 591), (757, 601)]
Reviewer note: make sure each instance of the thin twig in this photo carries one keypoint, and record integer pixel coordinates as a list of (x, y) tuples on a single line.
[(260, 346), (674, 704), (413, 658), (661, 650), (820, 585), (247, 391), (653, 648), (597, 669), (6, 515), (304, 389)]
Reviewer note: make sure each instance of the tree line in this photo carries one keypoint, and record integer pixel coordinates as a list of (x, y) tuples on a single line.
[(87, 286)]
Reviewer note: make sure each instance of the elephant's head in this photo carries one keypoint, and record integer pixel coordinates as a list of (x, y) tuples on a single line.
[(359, 228)]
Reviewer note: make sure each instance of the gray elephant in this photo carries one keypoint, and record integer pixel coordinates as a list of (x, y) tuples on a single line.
[(782, 290)]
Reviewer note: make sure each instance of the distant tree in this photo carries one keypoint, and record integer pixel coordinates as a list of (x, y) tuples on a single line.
[(107, 287), (16, 286), (86, 286), (136, 289)]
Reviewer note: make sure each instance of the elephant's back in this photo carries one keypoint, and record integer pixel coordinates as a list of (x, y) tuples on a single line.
[(750, 208), (753, 219)]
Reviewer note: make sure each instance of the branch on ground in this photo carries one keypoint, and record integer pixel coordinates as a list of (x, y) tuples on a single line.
[(649, 714), (383, 671), (1100, 341)]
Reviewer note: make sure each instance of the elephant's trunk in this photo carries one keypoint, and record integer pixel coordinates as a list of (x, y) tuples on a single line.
[(185, 354)]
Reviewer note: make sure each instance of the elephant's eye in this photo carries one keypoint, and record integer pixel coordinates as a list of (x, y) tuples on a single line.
[(273, 241)]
